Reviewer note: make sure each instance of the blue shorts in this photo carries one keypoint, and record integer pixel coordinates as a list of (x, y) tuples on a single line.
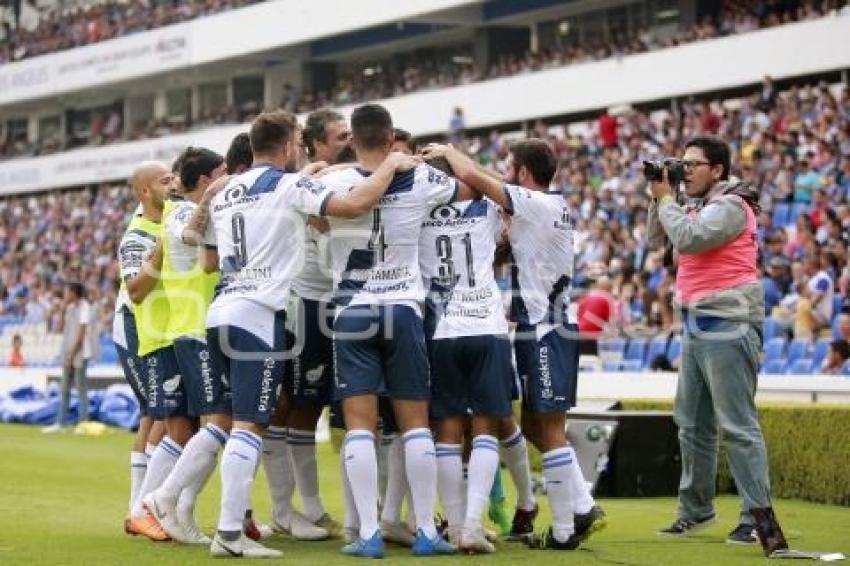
[(380, 350), (206, 391), (131, 363), (548, 368), (252, 368), (165, 385), (471, 374), (309, 377)]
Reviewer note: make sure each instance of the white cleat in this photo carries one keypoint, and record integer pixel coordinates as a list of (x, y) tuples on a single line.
[(165, 513), (192, 530), (243, 547), (300, 528), (397, 533), (474, 541), (265, 530)]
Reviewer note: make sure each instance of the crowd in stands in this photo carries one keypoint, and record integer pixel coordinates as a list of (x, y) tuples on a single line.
[(66, 25), (388, 79)]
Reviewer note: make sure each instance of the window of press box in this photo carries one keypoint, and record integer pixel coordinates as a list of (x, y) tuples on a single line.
[(248, 96), (94, 126)]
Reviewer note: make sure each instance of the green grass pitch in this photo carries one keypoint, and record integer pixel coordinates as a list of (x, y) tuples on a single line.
[(63, 499)]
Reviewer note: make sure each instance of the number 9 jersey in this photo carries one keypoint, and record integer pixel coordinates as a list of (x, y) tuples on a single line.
[(456, 250)]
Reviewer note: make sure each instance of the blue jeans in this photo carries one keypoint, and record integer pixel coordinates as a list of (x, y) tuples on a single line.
[(717, 384)]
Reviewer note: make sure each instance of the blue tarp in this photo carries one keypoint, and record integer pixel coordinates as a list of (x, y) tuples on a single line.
[(116, 406)]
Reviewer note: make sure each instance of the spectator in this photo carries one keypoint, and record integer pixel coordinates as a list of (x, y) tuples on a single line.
[(839, 352), (608, 130), (806, 181), (814, 310), (16, 356), (596, 311), (75, 353), (457, 125)]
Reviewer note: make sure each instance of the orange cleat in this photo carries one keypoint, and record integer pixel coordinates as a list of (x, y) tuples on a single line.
[(146, 526)]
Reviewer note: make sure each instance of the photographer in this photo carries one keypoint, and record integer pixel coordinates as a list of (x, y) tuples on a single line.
[(722, 307)]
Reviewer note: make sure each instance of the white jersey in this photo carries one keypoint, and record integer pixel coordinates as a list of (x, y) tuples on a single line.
[(257, 224), (136, 246), (183, 256), (375, 258), (315, 283), (456, 250), (541, 238)]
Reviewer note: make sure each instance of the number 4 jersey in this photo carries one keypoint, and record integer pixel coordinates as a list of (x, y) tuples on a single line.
[(456, 252), (375, 258)]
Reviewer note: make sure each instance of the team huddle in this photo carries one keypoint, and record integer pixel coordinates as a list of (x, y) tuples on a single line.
[(258, 289)]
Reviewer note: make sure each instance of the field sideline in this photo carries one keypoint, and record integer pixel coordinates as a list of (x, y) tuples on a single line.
[(64, 497)]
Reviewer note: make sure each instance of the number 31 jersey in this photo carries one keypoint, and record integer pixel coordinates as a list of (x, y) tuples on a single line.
[(375, 258), (258, 225), (456, 250)]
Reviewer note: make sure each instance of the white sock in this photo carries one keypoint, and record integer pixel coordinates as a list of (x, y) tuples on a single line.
[(149, 449), (350, 520), (138, 468), (162, 461), (302, 446), (483, 464), (450, 482), (582, 499), (421, 466), (556, 470), (238, 465), (362, 467), (396, 482), (276, 460), (189, 495), (197, 461), (515, 451)]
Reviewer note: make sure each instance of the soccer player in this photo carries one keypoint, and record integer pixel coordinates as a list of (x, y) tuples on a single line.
[(141, 259), (257, 225), (545, 345), (378, 337), (470, 355), (189, 289)]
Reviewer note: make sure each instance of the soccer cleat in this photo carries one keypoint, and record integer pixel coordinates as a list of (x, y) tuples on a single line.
[(300, 528), (371, 548), (523, 523), (241, 547), (397, 533), (474, 541), (588, 523), (424, 546), (148, 527), (687, 527), (254, 529), (193, 532), (498, 513), (165, 514), (331, 525), (743, 534), (547, 541)]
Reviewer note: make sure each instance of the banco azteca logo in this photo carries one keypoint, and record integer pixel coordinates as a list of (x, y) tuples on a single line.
[(235, 192), (445, 212)]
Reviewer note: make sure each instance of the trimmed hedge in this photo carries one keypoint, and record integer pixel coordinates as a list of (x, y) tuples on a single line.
[(808, 447)]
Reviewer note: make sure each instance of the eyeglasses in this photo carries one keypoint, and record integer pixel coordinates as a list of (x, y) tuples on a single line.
[(691, 164)]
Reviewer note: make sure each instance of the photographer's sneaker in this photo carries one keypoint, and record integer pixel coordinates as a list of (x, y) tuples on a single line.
[(241, 547), (687, 527), (743, 534)]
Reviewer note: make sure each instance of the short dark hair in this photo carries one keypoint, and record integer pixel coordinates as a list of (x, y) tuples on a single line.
[(538, 157), (716, 152), (195, 162), (271, 130), (406, 138), (316, 128), (842, 348), (371, 126), (78, 289), (239, 154)]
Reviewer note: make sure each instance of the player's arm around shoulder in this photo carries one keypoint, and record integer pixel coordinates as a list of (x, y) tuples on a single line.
[(366, 194), (473, 179), (193, 233)]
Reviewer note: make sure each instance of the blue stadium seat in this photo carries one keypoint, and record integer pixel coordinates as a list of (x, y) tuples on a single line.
[(610, 365), (781, 212), (837, 301), (800, 366), (798, 349), (820, 352), (796, 210), (636, 349), (772, 328), (845, 369), (774, 348), (631, 365), (776, 365), (612, 348), (674, 350), (657, 347)]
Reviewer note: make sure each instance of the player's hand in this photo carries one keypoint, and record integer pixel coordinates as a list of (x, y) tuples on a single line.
[(401, 161), (216, 186), (662, 188), (319, 223), (314, 168), (434, 151)]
